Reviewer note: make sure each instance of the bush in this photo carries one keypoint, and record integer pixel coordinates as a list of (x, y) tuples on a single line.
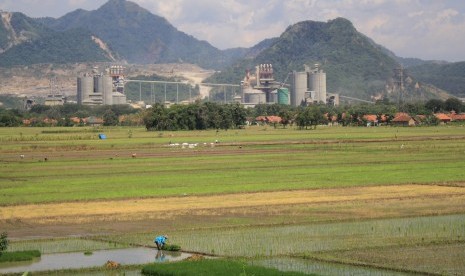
[(18, 256), (211, 267)]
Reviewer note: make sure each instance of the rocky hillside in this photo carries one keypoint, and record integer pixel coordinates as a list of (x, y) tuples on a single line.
[(17, 28)]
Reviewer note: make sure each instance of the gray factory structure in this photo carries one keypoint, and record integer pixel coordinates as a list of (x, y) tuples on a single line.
[(307, 87), (101, 88)]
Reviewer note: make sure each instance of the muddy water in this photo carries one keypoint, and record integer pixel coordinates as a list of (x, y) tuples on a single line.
[(98, 258)]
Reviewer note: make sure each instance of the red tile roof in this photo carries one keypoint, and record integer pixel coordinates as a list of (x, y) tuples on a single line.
[(269, 119), (402, 117), (442, 117), (458, 117), (370, 117)]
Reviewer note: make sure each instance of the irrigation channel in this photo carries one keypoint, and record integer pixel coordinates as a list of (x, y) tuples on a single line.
[(142, 255)]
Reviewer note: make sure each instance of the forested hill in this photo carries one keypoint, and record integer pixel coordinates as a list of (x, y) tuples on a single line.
[(447, 76), (129, 33), (354, 65), (139, 36)]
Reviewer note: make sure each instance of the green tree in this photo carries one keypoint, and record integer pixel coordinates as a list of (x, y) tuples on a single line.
[(453, 104), (156, 118), (434, 105), (239, 114), (286, 117), (110, 118), (9, 119)]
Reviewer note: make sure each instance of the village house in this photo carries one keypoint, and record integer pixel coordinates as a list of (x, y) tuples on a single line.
[(403, 119)]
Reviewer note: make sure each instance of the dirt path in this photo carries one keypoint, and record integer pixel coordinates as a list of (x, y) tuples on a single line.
[(197, 76)]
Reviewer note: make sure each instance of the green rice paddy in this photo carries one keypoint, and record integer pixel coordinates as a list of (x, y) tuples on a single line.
[(96, 172)]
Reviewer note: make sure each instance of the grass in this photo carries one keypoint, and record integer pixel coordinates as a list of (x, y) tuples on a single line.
[(212, 267), (17, 256), (94, 173)]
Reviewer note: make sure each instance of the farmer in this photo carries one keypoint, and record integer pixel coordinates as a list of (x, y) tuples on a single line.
[(160, 241)]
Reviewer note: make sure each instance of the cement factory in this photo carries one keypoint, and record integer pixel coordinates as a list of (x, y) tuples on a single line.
[(307, 87), (102, 88)]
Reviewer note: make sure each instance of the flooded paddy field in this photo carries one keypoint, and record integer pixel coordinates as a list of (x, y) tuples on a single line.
[(98, 258)]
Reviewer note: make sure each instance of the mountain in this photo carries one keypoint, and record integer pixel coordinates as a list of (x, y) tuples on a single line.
[(76, 45), (17, 28), (447, 76), (26, 41), (125, 30), (355, 65), (139, 36)]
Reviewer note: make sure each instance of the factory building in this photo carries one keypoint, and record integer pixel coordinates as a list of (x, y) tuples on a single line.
[(101, 88), (308, 87), (261, 87)]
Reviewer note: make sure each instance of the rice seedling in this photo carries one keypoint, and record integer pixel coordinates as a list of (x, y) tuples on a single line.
[(17, 256), (293, 240)]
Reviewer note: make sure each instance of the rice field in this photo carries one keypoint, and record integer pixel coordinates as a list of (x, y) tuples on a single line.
[(306, 239), (93, 173), (336, 219)]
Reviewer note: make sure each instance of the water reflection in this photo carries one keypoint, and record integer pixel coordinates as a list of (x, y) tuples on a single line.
[(98, 258)]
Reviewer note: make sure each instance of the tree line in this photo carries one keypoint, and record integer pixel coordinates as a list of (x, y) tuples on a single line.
[(209, 115)]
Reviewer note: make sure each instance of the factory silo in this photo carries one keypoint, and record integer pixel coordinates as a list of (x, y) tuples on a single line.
[(299, 87), (85, 87), (107, 90), (256, 97), (283, 96), (317, 83), (98, 84)]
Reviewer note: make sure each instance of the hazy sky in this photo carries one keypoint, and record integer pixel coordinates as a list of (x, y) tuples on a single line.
[(426, 29)]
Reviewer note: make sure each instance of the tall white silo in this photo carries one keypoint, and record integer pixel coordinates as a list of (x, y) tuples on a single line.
[(85, 88), (299, 87), (317, 83), (107, 90)]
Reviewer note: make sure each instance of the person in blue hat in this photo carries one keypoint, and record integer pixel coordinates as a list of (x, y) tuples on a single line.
[(160, 241)]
